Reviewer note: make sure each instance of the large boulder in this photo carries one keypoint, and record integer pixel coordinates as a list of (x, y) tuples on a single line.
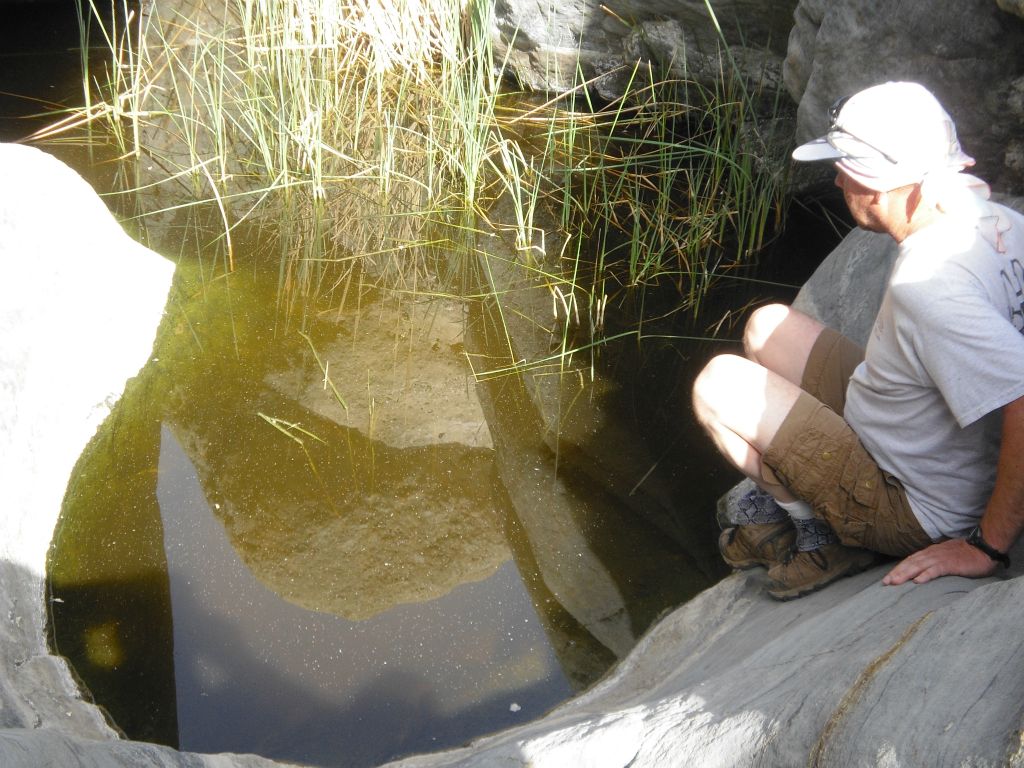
[(80, 302), (554, 47)]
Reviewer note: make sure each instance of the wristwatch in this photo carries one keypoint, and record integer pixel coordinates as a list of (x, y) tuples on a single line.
[(975, 540)]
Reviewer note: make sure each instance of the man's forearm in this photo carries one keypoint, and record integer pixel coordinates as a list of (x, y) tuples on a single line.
[(1003, 520)]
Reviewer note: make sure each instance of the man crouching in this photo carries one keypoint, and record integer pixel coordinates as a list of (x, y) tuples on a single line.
[(914, 446)]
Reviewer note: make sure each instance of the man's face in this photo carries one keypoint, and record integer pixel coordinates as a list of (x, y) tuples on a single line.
[(862, 202)]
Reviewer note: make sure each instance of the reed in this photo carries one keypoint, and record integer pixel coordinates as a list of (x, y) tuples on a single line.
[(372, 141)]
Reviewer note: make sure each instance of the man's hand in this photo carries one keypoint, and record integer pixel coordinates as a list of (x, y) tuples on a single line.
[(947, 558), (1002, 522)]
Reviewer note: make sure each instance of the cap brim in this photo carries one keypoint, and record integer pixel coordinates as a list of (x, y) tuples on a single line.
[(819, 149)]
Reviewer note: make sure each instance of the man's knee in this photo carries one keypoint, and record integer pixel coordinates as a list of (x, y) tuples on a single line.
[(716, 378), (761, 325)]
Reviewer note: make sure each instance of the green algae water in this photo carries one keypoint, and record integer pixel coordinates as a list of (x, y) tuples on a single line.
[(298, 544), (334, 546), (331, 544)]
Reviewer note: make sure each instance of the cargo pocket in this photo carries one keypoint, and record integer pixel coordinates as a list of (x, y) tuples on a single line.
[(861, 478), (861, 482)]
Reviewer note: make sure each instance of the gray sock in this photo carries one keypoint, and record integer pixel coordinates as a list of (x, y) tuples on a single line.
[(812, 534), (757, 507)]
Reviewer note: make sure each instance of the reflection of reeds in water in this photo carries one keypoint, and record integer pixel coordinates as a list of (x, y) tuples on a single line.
[(372, 138)]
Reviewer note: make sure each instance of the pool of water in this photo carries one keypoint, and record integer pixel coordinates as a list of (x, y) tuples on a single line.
[(243, 564)]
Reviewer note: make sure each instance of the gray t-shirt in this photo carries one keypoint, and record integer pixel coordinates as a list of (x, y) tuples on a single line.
[(945, 354)]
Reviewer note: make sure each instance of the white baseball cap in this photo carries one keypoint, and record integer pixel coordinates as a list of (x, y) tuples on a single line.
[(888, 136)]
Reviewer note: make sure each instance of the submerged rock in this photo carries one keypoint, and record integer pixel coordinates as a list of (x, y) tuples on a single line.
[(416, 391)]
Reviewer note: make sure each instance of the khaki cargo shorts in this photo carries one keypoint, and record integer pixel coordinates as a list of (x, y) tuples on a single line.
[(821, 460)]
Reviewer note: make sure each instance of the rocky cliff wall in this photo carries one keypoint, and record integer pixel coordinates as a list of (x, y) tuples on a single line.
[(970, 53)]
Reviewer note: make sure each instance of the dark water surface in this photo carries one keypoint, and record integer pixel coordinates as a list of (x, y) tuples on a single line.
[(254, 672), (39, 64)]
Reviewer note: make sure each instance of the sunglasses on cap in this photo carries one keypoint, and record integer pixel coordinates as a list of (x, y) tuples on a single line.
[(835, 127)]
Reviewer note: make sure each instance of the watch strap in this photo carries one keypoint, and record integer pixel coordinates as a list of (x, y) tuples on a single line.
[(975, 539)]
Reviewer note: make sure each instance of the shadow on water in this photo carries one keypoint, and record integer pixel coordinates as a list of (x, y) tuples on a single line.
[(108, 579), (605, 563)]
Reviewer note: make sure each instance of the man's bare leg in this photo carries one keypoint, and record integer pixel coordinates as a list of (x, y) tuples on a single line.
[(743, 402), (780, 338), (741, 405)]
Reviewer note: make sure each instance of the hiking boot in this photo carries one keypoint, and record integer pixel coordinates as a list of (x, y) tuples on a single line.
[(805, 572), (748, 546)]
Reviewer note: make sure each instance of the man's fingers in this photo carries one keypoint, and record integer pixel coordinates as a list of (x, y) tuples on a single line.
[(933, 571), (911, 567), (905, 570)]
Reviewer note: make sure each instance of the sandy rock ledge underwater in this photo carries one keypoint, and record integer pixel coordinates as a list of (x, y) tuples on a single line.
[(857, 674)]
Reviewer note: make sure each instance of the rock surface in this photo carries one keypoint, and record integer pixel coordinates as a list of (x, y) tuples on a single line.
[(542, 43), (1015, 7)]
